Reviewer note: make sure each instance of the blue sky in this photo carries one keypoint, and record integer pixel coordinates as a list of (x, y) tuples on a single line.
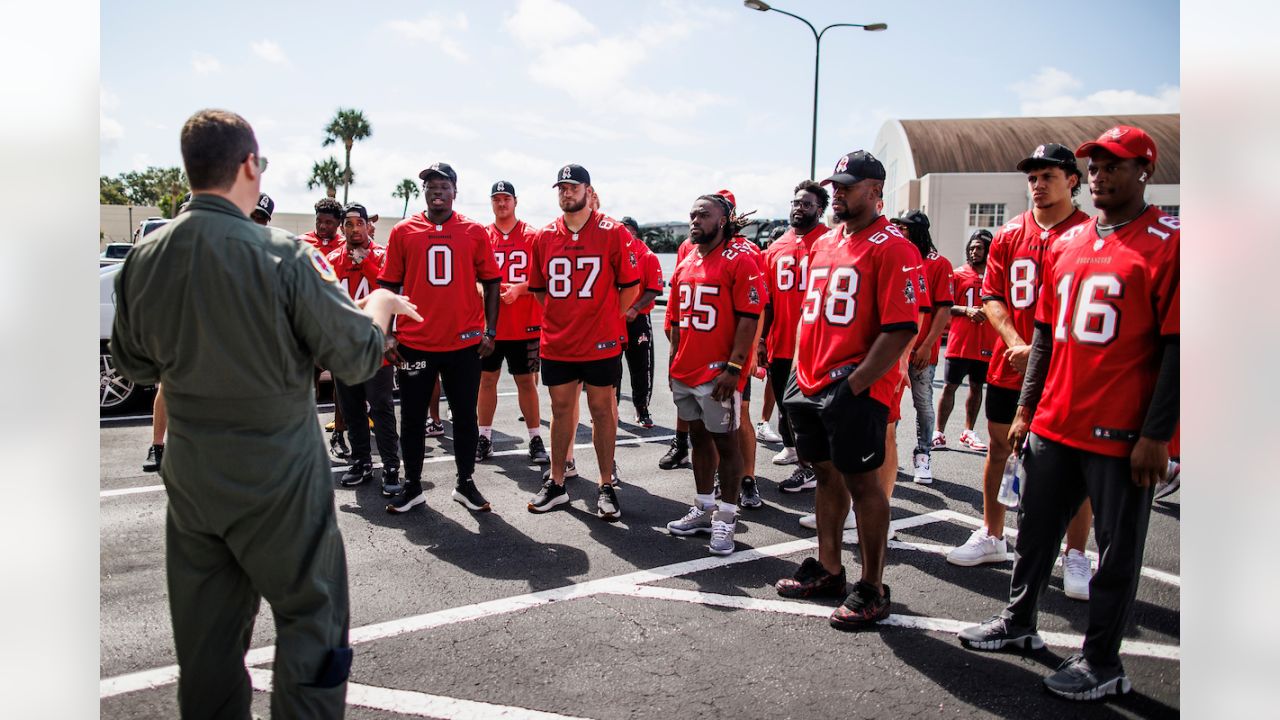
[(660, 100)]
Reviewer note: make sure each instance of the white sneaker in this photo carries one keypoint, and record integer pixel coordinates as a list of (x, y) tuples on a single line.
[(923, 474), (940, 440), (1172, 481), (786, 457), (1076, 573), (978, 549), (766, 433), (811, 521), (970, 439)]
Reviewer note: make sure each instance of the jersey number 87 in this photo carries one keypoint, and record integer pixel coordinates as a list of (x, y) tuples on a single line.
[(560, 276)]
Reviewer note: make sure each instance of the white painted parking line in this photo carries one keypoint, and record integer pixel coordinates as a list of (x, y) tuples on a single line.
[(418, 704), (1157, 575), (913, 622), (425, 461)]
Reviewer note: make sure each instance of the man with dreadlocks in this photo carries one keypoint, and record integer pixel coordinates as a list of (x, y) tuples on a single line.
[(717, 294), (858, 317), (939, 282)]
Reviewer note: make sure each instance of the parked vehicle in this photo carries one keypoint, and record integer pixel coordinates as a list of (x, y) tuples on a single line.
[(116, 394), (114, 253)]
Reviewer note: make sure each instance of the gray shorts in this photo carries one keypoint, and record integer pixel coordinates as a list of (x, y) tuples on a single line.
[(696, 403)]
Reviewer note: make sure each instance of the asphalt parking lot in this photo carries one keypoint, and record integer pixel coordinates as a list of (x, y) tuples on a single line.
[(514, 615)]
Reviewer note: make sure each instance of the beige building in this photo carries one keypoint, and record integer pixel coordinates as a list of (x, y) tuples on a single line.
[(962, 174), (118, 222)]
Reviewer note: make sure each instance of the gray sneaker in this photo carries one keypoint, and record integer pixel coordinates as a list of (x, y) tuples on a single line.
[(607, 507), (697, 520), (1076, 679), (998, 632), (723, 524)]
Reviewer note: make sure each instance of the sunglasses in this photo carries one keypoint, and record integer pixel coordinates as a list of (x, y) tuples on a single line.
[(262, 162)]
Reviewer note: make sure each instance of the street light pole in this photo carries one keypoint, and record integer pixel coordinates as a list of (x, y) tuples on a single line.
[(817, 64)]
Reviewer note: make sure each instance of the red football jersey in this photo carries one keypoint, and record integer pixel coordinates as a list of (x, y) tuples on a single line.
[(358, 280), (786, 270), (707, 296), (967, 339), (649, 268), (858, 286), (439, 266), (1014, 265), (522, 319), (1109, 301), (325, 247), (581, 274), (941, 293)]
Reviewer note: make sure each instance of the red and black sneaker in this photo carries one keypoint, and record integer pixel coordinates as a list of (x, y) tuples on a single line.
[(863, 608), (812, 580)]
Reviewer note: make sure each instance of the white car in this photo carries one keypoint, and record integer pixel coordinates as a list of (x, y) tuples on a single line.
[(116, 394)]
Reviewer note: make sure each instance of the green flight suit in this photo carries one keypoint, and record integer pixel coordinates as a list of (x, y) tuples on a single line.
[(231, 317)]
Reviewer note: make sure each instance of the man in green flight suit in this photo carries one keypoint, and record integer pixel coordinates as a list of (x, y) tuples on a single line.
[(232, 317)]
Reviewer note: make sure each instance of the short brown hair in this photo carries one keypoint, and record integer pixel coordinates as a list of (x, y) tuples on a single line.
[(214, 144)]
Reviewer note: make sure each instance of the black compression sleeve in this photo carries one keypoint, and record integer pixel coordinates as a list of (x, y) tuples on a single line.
[(1037, 368), (1162, 413)]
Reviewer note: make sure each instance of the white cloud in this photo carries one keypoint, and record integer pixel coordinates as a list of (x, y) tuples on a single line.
[(1052, 92), (204, 64), (269, 51), (433, 124), (110, 131), (439, 30), (546, 23)]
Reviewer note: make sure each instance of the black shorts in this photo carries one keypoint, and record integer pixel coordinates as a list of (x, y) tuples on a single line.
[(521, 356), (746, 391), (960, 368), (599, 373), (836, 425), (1002, 404)]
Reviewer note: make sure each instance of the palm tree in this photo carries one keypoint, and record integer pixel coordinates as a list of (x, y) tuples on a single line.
[(407, 189), (326, 174), (347, 126)]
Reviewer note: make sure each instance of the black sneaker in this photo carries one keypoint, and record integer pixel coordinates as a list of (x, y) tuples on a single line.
[(338, 445), (1076, 679), (749, 496), (435, 428), (358, 473), (607, 507), (812, 580), (863, 608), (538, 452), (411, 499), (154, 455), (466, 494), (676, 457), (391, 482), (570, 470), (802, 479), (548, 497), (484, 448), (997, 633), (643, 419)]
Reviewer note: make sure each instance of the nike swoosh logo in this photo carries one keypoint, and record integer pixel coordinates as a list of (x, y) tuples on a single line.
[(754, 277), (909, 268), (867, 457)]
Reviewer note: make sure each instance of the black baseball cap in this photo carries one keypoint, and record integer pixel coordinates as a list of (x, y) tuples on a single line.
[(358, 209), (915, 217), (265, 205), (1050, 154), (502, 187), (573, 174), (854, 167), (444, 170), (631, 223)]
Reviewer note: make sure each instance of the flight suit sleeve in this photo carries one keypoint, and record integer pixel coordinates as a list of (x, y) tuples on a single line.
[(127, 351), (338, 334)]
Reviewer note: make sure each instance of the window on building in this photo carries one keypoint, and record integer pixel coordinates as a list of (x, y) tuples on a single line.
[(986, 215), (1170, 210)]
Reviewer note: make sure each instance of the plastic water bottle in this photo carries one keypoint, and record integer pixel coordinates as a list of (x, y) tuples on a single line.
[(1011, 483)]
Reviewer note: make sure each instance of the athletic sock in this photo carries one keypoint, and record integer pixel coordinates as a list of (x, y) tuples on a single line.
[(682, 438), (535, 431), (487, 431), (705, 501), (723, 506)]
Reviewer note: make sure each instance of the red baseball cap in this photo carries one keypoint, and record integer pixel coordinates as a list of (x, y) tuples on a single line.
[(728, 196), (1123, 141)]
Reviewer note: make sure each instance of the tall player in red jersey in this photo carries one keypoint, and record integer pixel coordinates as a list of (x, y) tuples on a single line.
[(786, 271), (1101, 401), (357, 263), (716, 297), (581, 272), (1009, 294), (969, 342), (439, 256), (858, 317), (519, 326)]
